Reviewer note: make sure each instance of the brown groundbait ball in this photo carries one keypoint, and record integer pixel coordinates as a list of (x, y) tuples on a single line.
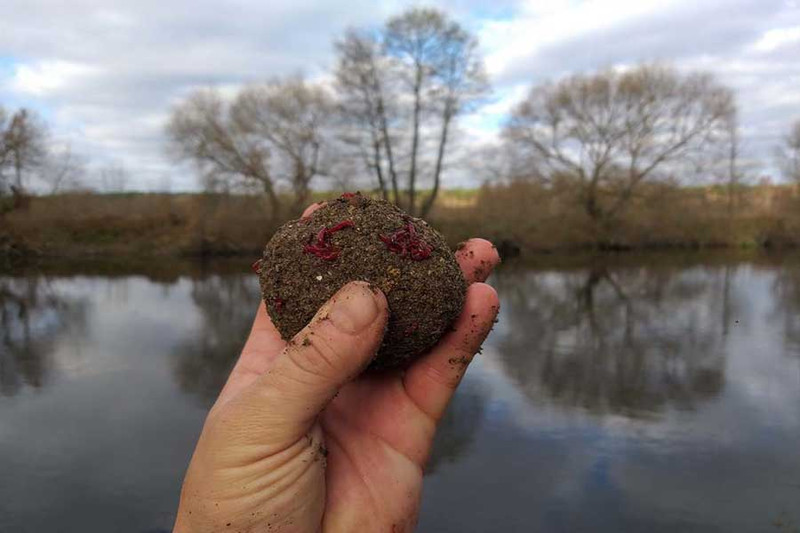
[(356, 238)]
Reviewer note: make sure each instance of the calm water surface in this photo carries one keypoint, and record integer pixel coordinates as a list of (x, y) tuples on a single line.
[(654, 393)]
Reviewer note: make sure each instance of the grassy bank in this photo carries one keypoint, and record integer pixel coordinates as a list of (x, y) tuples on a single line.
[(523, 215), (551, 219), (139, 224)]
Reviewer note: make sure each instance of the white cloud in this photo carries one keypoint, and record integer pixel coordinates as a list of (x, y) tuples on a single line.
[(777, 38), (48, 76), (541, 24)]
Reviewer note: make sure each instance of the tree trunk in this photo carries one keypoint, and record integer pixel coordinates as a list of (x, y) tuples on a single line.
[(439, 160), (387, 142), (590, 203), (274, 201), (733, 175), (18, 172), (599, 219), (300, 183), (376, 147), (376, 158), (412, 173)]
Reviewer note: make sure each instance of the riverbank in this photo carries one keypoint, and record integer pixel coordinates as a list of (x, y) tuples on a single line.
[(521, 218)]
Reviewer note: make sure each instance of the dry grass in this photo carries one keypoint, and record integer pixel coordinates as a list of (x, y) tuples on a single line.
[(528, 215), (545, 219), (141, 224)]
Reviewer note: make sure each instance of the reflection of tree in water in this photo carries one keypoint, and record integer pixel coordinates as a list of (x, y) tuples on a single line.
[(458, 427), (227, 305), (32, 316), (628, 342), (786, 291)]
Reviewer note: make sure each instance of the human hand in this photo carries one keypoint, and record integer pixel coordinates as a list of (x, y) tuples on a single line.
[(297, 443)]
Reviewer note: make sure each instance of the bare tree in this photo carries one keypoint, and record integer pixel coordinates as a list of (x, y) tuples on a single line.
[(270, 133), (366, 105), (727, 164), (5, 153), (737, 166), (789, 153), (22, 148), (609, 132), (113, 178), (63, 170), (294, 119), (734, 173), (202, 130), (344, 173), (416, 75), (28, 160), (496, 163)]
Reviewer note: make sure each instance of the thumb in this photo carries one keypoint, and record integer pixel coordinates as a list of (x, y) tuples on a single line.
[(336, 345)]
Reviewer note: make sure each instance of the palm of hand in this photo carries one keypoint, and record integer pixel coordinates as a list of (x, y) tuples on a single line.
[(377, 440)]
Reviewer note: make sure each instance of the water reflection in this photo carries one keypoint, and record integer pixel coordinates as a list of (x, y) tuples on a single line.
[(786, 292), (459, 426), (631, 341), (33, 313), (227, 306), (655, 395)]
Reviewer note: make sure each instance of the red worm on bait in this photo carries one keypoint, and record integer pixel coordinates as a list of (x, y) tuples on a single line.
[(322, 246), (406, 242)]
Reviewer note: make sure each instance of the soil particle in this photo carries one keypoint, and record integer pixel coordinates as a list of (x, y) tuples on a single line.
[(460, 361), (482, 270)]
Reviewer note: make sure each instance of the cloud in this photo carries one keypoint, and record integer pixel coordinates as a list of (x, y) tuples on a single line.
[(46, 77), (753, 46), (778, 38), (105, 74)]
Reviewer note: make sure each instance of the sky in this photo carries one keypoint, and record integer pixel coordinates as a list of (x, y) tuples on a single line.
[(105, 73)]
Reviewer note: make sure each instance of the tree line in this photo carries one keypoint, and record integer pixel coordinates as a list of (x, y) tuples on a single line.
[(30, 158), (388, 112), (384, 119)]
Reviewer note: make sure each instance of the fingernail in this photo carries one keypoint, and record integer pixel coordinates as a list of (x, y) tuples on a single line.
[(354, 308)]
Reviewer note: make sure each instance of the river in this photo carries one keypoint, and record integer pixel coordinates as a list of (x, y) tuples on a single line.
[(656, 392)]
